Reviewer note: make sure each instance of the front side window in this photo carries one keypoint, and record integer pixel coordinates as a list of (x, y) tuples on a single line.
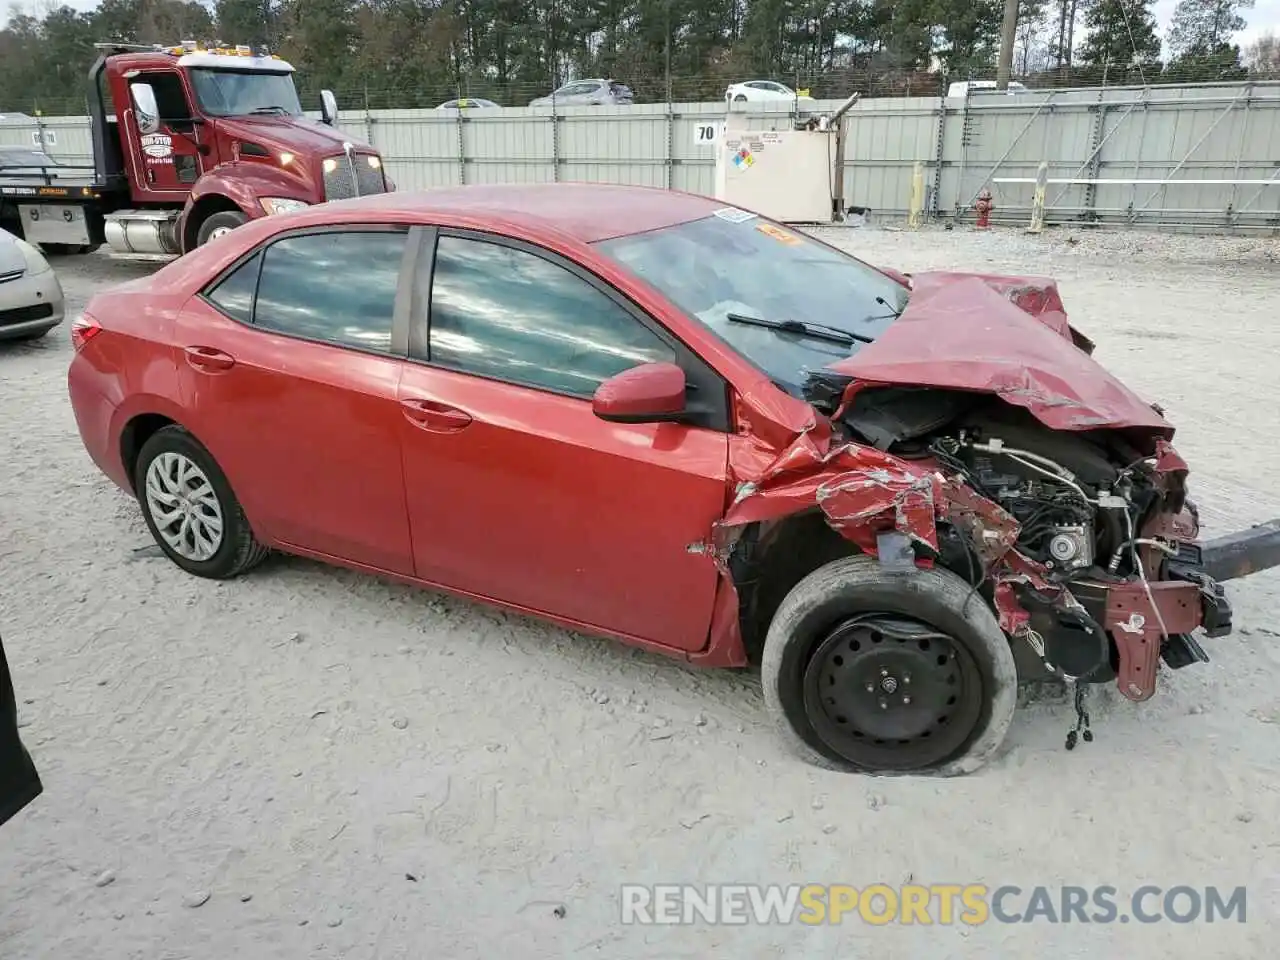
[(337, 287), (171, 97), (234, 93), (729, 270), (505, 313)]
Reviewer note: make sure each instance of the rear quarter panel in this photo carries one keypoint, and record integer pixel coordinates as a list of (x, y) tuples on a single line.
[(128, 370)]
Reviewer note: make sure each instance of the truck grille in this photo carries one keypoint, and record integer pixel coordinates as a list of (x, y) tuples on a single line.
[(338, 183)]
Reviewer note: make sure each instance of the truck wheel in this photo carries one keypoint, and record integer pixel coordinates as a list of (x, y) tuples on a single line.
[(218, 224), (879, 671)]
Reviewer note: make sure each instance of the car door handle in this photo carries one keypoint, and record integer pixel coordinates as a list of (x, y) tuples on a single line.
[(433, 416), (207, 358)]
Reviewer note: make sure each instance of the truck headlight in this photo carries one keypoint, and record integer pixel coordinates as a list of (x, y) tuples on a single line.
[(330, 165), (282, 205), (375, 162), (286, 158)]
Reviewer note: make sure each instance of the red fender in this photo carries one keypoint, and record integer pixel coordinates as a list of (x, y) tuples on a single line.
[(245, 183)]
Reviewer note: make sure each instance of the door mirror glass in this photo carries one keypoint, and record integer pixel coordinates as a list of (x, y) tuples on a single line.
[(328, 107), (144, 107), (649, 393)]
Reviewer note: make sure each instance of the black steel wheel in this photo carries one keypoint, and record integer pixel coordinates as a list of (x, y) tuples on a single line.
[(892, 693), (873, 670)]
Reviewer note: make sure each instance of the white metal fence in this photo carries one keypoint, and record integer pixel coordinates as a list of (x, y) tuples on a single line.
[(1205, 155)]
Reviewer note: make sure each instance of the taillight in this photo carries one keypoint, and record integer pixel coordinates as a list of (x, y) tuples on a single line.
[(83, 329)]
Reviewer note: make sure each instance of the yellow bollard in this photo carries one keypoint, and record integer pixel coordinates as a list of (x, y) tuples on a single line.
[(1037, 202), (916, 206)]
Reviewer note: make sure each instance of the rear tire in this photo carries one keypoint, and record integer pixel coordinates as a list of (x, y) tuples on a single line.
[(190, 508), (217, 224), (878, 671), (740, 98)]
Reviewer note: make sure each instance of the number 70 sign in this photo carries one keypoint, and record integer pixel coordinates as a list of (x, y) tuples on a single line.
[(705, 133)]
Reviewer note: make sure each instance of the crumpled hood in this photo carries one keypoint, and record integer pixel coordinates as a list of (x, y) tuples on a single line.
[(1006, 336), (300, 135)]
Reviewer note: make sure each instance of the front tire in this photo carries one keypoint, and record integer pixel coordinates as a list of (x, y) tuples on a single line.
[(190, 508), (879, 671), (218, 224)]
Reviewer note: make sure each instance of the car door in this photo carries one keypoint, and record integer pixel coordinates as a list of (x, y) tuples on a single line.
[(289, 370), (516, 491)]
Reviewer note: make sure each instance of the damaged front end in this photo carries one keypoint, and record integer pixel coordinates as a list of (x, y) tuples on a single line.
[(1030, 472)]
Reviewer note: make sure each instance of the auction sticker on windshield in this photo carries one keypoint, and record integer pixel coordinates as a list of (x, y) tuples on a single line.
[(782, 236), (734, 215)]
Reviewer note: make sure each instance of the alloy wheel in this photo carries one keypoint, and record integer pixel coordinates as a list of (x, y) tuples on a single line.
[(184, 506)]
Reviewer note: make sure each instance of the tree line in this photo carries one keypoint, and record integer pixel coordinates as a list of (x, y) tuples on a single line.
[(413, 53)]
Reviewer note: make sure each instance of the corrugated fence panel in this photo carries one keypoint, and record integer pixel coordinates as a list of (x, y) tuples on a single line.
[(885, 141), (1201, 132)]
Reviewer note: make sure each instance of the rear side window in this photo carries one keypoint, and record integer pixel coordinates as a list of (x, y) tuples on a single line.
[(338, 287), (234, 295)]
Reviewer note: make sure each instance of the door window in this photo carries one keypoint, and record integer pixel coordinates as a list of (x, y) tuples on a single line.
[(337, 286), (171, 99), (505, 313)]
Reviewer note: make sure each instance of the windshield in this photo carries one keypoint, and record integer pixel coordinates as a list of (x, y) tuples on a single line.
[(735, 265), (231, 93)]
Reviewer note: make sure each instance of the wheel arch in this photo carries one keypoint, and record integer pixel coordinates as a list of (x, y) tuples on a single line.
[(770, 558), (201, 210), (133, 436)]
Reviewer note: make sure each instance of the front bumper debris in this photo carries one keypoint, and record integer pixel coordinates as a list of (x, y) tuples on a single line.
[(1242, 553)]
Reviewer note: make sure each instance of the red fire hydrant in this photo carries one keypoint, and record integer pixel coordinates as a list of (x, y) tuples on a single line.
[(984, 206)]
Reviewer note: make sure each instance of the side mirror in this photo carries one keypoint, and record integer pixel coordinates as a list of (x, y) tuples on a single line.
[(649, 393), (328, 107), (144, 107)]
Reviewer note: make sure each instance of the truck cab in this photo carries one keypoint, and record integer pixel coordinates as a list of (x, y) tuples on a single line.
[(189, 142)]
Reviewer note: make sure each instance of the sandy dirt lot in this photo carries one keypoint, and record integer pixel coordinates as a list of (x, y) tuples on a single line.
[(311, 763)]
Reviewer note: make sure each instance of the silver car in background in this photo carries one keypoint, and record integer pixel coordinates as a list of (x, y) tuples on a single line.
[(31, 302), (581, 93)]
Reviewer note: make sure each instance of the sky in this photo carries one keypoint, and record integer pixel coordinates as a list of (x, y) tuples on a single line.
[(1263, 18)]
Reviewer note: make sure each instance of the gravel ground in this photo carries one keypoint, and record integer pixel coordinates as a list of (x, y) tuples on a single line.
[(309, 762)]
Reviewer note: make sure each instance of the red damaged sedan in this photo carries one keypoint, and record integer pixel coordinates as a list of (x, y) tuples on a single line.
[(646, 415)]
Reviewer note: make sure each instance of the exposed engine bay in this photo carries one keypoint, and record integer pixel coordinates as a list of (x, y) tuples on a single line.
[(1096, 516)]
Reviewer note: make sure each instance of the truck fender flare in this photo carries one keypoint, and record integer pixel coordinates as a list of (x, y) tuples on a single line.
[(236, 185)]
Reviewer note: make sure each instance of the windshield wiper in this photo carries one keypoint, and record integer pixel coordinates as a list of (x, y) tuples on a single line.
[(819, 331), (271, 109), (890, 307)]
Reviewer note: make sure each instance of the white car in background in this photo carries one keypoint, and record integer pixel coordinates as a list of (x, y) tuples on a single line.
[(468, 103), (31, 302), (764, 91)]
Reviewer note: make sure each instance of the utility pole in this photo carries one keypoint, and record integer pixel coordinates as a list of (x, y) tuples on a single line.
[(1008, 32)]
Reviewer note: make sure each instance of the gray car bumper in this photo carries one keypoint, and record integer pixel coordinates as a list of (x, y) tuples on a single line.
[(30, 305)]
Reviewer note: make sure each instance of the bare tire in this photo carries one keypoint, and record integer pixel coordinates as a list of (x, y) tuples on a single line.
[(877, 671), (740, 98), (218, 224), (190, 508)]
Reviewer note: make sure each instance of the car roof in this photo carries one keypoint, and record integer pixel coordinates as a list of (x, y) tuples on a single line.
[(587, 212)]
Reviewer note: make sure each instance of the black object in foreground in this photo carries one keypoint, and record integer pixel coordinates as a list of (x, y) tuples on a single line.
[(19, 782)]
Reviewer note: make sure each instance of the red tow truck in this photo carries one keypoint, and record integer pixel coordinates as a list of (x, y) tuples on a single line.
[(189, 142)]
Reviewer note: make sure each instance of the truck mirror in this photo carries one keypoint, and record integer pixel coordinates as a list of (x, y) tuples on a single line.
[(144, 107), (328, 107)]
